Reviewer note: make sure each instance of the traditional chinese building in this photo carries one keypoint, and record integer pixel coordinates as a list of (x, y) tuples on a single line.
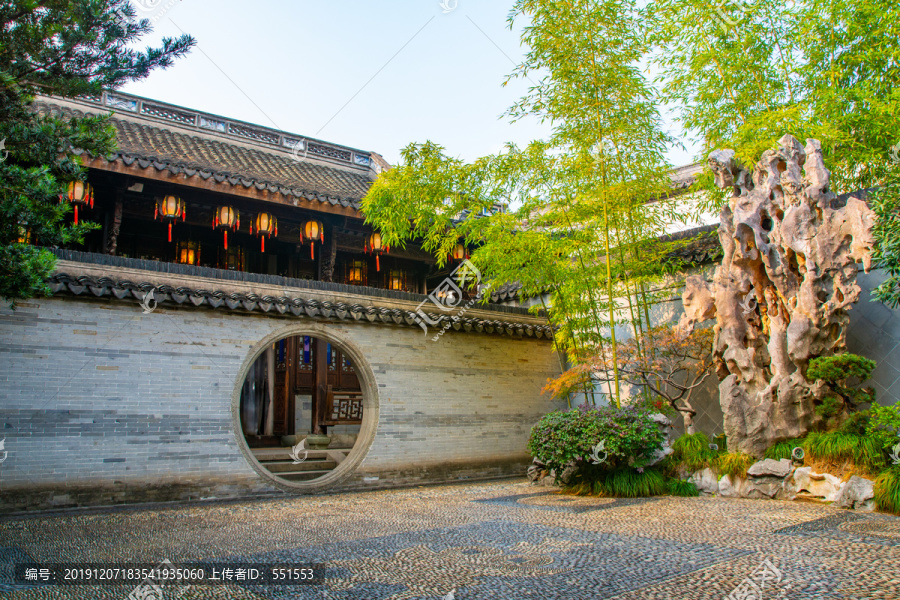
[(233, 302)]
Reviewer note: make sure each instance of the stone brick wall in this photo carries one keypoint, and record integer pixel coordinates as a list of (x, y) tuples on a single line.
[(102, 404), (874, 332)]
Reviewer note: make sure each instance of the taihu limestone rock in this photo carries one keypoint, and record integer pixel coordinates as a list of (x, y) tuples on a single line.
[(781, 295), (857, 493)]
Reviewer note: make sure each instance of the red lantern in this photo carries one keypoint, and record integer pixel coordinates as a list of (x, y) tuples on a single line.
[(266, 225), (226, 218), (375, 245), (459, 253), (313, 232), (171, 207), (79, 193)]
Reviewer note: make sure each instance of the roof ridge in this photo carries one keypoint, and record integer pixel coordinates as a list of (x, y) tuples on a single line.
[(191, 152)]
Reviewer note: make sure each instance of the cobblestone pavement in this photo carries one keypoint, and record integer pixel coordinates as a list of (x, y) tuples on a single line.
[(480, 541)]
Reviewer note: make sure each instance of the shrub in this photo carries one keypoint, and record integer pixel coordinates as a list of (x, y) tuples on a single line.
[(733, 464), (887, 491), (653, 404), (563, 438), (681, 487), (691, 452), (856, 423), (884, 425)]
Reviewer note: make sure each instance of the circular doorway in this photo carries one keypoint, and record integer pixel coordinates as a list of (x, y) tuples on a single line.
[(305, 408)]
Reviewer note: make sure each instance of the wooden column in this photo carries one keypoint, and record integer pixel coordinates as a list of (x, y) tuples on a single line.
[(286, 416), (328, 253), (113, 239), (320, 385)]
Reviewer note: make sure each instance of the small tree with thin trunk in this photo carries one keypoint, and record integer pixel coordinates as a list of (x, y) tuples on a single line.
[(668, 361)]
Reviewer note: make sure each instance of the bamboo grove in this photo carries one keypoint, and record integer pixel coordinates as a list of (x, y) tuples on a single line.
[(586, 206)]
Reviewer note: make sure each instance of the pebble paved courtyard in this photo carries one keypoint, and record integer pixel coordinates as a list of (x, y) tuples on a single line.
[(480, 541)]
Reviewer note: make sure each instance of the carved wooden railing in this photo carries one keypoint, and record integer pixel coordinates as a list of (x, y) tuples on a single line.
[(343, 408)]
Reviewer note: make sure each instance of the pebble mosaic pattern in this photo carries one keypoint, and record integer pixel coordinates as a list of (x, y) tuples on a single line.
[(483, 541)]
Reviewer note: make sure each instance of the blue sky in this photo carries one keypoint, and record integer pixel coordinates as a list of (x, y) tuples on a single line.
[(371, 74)]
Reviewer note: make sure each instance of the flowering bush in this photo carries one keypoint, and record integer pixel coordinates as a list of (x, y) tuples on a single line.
[(629, 437)]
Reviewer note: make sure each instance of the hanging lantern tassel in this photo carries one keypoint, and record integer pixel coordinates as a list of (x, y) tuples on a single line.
[(170, 231), (377, 263), (262, 240), (312, 251), (226, 217), (78, 193)]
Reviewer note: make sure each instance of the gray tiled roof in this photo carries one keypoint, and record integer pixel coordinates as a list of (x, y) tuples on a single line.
[(177, 152)]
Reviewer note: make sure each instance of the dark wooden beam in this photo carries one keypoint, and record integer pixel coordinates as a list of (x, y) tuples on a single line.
[(328, 254), (113, 240)]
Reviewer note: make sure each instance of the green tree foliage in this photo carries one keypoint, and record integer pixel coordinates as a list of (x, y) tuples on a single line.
[(63, 48), (745, 73), (886, 205), (587, 204), (668, 361)]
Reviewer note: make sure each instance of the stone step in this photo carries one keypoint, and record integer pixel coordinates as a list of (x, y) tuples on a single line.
[(309, 465), (305, 476), (267, 454)]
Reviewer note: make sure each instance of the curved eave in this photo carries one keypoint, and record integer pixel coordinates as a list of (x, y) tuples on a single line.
[(63, 283)]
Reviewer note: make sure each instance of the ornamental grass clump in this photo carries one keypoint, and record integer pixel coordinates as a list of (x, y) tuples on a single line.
[(783, 449), (691, 452), (629, 483), (733, 464), (588, 443), (682, 487), (838, 448), (887, 491)]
